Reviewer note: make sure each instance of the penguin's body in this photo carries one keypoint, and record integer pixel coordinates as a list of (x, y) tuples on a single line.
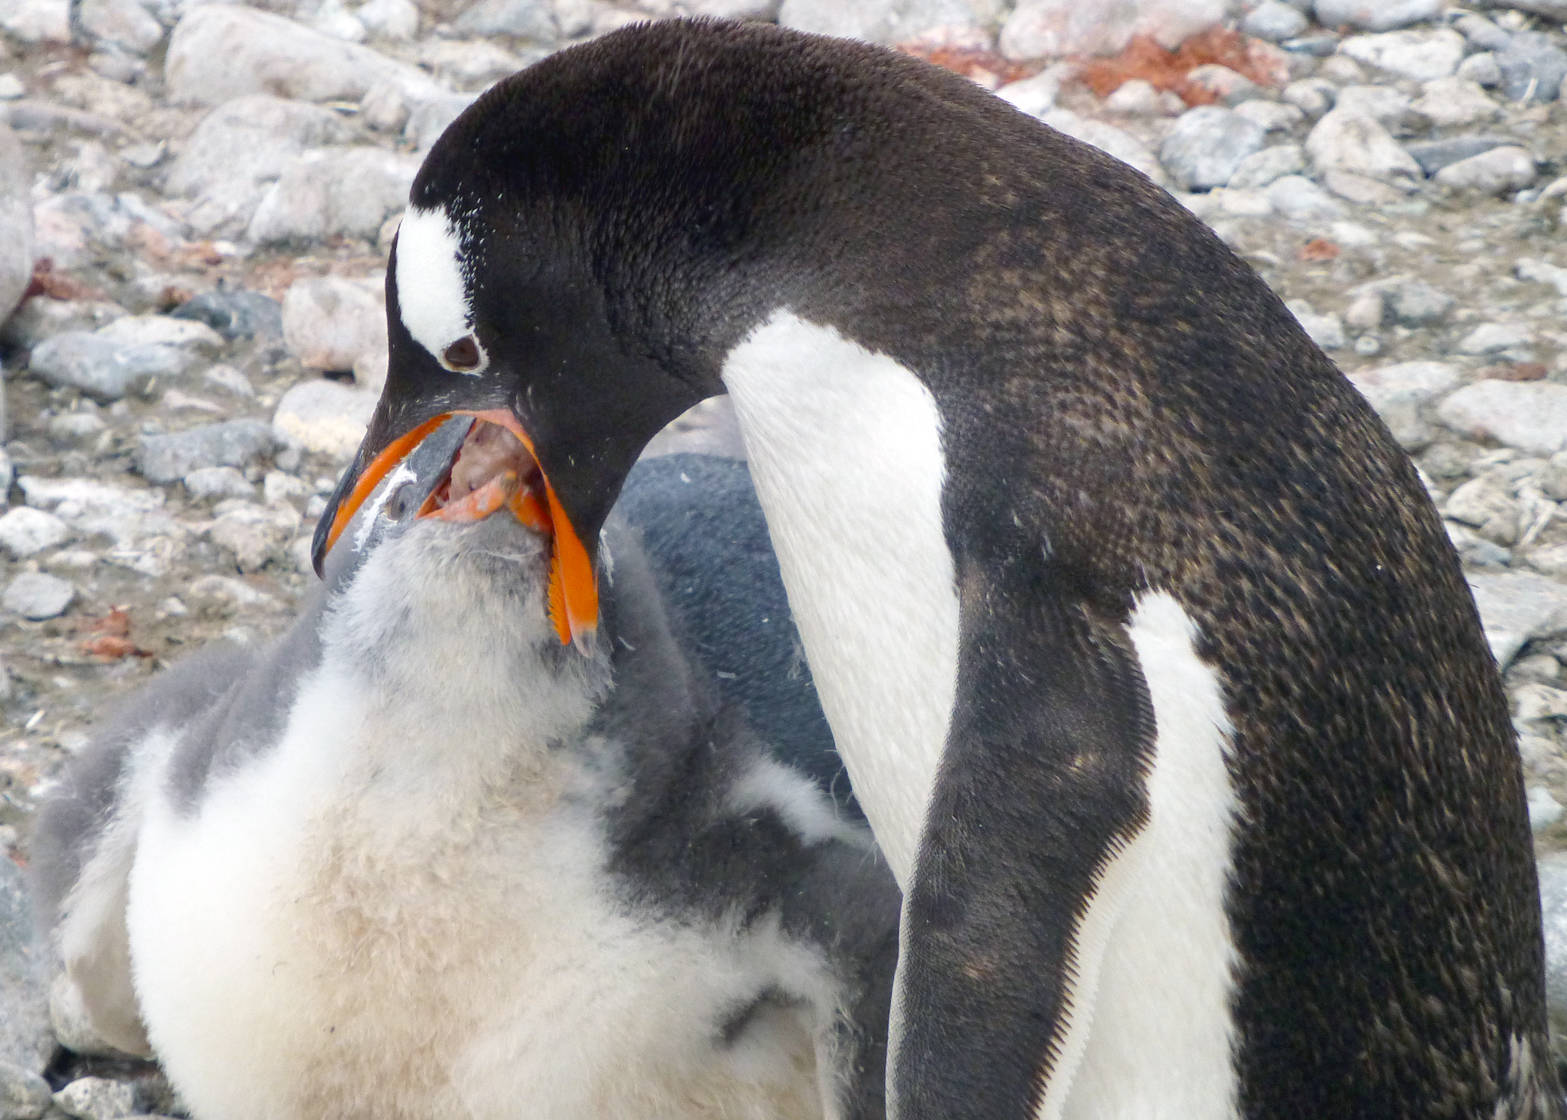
[(1156, 676), (416, 860)]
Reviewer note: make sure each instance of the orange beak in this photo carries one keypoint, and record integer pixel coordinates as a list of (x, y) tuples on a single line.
[(573, 588)]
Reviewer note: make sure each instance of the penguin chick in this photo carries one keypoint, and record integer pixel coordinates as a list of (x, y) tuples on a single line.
[(416, 859)]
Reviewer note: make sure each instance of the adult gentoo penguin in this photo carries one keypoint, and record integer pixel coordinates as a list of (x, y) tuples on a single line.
[(1154, 672), (418, 861)]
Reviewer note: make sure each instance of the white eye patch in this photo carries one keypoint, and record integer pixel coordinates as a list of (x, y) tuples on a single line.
[(431, 295)]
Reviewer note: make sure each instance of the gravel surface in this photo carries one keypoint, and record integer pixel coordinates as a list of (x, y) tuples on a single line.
[(197, 201)]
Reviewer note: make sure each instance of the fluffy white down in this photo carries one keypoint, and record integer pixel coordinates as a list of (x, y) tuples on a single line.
[(379, 919)]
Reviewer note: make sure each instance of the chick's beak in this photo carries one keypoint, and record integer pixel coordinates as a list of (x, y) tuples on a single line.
[(573, 587)]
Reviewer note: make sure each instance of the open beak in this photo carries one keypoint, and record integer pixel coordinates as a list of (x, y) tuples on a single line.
[(573, 588)]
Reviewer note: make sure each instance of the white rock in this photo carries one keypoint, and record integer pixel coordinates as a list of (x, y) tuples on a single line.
[(219, 52), (429, 117), (888, 21), (1528, 415), (218, 482), (390, 19), (136, 330), (1487, 504), (1542, 272), (1550, 9), (25, 531), (1553, 478), (330, 322), (325, 417), (1312, 96), (1138, 98), (37, 595), (1544, 810), (1422, 55), (254, 535), (1352, 142), (1498, 171), (96, 1098), (16, 218), (1518, 607), (1057, 28), (1484, 69), (334, 20), (1449, 102), (1377, 15), (37, 21), (1327, 331), (334, 191), (1036, 95)]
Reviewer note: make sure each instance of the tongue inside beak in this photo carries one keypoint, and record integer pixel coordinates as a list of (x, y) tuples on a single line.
[(497, 469)]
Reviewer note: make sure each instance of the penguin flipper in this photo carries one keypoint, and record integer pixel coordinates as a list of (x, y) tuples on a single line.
[(1040, 786)]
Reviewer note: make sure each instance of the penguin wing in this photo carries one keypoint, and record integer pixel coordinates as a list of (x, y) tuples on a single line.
[(1041, 784), (84, 844)]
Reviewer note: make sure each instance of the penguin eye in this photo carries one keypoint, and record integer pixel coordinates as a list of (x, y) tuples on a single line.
[(464, 355), (399, 503)]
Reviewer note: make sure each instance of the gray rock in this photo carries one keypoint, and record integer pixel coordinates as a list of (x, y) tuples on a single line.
[(428, 118), (1495, 338), (1061, 28), (1274, 22), (1517, 608), (1415, 303), (124, 25), (218, 482), (1312, 96), (125, 514), (231, 443), (1268, 165), (1327, 331), (25, 1041), (24, 1095), (38, 319), (1493, 172), (1480, 31), (1551, 9), (883, 21), (1299, 199), (1542, 272), (253, 535), (334, 192), (1228, 86), (1377, 15), (103, 369), (1482, 69), (1528, 415), (1108, 139), (1383, 104), (1419, 382), (1455, 102), (219, 52), (324, 417), (1366, 312), (1544, 810), (1423, 55), (1273, 116), (1487, 505), (1532, 67), (16, 218), (332, 322), (1553, 478), (1206, 145), (1433, 155), (25, 531), (390, 19), (1553, 904), (37, 21), (235, 313), (526, 19), (37, 595), (97, 1098), (1345, 141), (241, 148)]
